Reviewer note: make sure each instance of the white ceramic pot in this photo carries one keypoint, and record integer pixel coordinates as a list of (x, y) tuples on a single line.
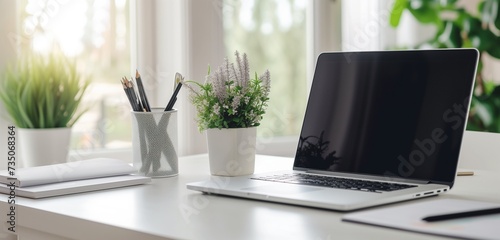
[(44, 146), (231, 151)]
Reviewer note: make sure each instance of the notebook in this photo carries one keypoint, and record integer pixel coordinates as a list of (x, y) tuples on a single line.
[(69, 178), (379, 127)]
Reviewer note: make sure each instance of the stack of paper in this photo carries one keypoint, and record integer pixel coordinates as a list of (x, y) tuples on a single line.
[(68, 178), (410, 217)]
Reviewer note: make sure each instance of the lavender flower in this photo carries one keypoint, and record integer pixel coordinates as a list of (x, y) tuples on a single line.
[(240, 74), (236, 103), (218, 81), (244, 70), (216, 109), (229, 98), (234, 75), (266, 82)]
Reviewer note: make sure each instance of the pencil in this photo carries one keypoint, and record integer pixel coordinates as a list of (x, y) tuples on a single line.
[(142, 93), (178, 79), (124, 82), (133, 93), (173, 99)]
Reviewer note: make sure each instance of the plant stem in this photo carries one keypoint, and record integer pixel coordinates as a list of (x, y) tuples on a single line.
[(479, 78)]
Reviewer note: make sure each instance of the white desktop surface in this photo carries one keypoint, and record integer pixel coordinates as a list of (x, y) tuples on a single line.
[(165, 209)]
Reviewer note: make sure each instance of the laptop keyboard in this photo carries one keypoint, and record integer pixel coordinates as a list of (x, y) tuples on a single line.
[(335, 182)]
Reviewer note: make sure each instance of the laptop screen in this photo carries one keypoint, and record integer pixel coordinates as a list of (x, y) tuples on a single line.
[(390, 113)]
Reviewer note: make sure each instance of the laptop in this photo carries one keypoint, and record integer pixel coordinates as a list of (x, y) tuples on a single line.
[(379, 127)]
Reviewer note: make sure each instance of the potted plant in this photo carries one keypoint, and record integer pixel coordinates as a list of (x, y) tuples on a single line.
[(41, 96), (230, 105), (458, 27)]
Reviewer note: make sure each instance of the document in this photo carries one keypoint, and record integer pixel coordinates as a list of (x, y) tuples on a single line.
[(409, 217), (69, 178), (71, 187), (78, 170)]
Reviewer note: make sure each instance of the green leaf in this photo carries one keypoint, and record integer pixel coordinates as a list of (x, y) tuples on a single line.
[(447, 3), (424, 11), (397, 11), (24, 113), (497, 17), (489, 87), (50, 106), (484, 111), (484, 40), (471, 25), (494, 51), (488, 10), (480, 6), (451, 36), (41, 116)]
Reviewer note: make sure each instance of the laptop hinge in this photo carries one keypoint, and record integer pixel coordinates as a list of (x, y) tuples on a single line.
[(368, 177)]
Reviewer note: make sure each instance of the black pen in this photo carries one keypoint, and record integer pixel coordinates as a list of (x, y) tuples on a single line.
[(142, 93), (178, 79), (450, 216), (171, 103)]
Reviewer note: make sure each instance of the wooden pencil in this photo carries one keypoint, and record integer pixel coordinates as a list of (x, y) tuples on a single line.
[(142, 93)]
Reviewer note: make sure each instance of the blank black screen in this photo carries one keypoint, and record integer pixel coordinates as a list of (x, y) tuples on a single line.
[(391, 113)]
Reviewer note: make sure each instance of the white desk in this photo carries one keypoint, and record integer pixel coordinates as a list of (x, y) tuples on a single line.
[(165, 209)]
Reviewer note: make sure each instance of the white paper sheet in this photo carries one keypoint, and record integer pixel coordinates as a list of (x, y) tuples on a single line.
[(409, 217), (79, 186), (78, 170)]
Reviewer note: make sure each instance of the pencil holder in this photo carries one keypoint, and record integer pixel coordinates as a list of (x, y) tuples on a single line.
[(154, 143)]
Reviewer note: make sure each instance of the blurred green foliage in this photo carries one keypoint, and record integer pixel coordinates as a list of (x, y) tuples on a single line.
[(43, 92), (459, 28)]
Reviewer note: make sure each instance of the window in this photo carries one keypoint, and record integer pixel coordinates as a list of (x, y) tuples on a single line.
[(273, 34), (97, 35), (283, 36)]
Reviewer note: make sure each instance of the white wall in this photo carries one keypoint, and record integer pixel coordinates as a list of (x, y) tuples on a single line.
[(205, 45), (178, 36), (480, 151), (7, 32)]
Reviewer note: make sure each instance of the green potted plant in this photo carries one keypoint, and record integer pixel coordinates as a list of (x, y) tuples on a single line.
[(456, 27), (230, 105), (41, 96)]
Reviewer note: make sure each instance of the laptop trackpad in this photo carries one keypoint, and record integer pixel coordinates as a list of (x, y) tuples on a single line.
[(281, 189)]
